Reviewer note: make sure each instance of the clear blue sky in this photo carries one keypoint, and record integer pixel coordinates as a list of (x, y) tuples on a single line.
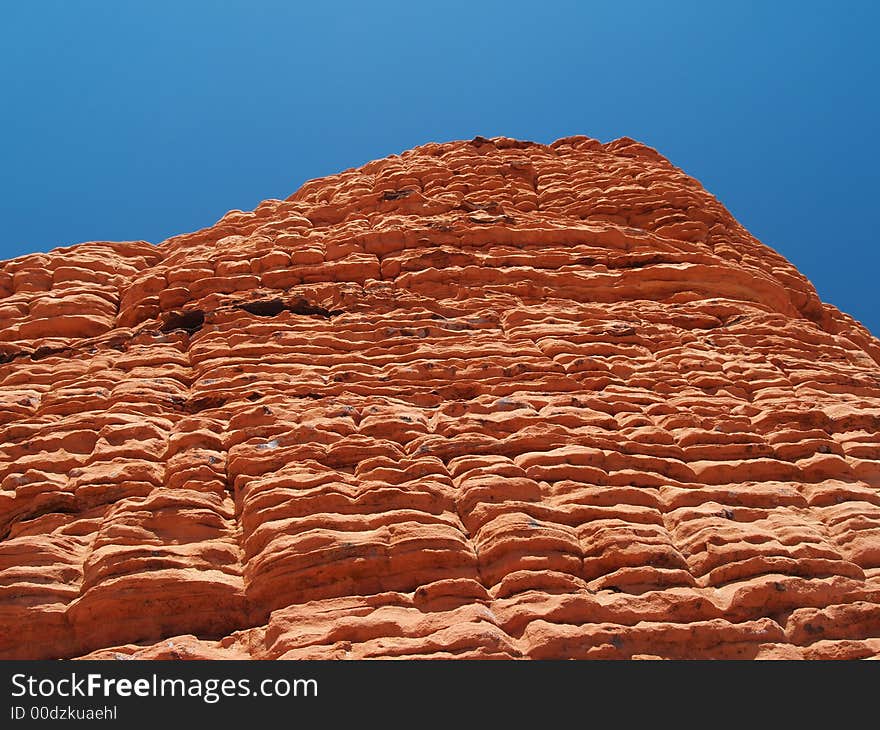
[(140, 120)]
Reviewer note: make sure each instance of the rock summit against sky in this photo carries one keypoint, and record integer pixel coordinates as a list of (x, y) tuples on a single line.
[(482, 399)]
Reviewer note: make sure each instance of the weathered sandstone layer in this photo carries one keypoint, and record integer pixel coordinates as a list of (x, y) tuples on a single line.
[(482, 399)]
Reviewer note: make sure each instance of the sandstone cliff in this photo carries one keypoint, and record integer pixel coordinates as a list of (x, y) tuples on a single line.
[(482, 399)]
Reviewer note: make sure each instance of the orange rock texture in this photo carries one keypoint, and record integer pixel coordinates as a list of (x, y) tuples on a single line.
[(486, 399)]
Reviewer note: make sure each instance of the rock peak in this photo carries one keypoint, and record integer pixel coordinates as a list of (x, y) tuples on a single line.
[(486, 398)]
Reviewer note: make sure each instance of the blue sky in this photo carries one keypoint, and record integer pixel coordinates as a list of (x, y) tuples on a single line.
[(140, 120)]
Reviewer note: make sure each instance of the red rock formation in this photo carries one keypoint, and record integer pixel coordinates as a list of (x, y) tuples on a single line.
[(483, 399)]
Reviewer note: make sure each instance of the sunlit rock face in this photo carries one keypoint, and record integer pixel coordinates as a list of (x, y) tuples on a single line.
[(483, 399)]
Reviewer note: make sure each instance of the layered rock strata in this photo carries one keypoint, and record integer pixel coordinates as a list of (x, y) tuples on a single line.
[(483, 399)]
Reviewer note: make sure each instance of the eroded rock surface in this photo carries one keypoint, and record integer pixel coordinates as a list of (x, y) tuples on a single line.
[(483, 399)]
